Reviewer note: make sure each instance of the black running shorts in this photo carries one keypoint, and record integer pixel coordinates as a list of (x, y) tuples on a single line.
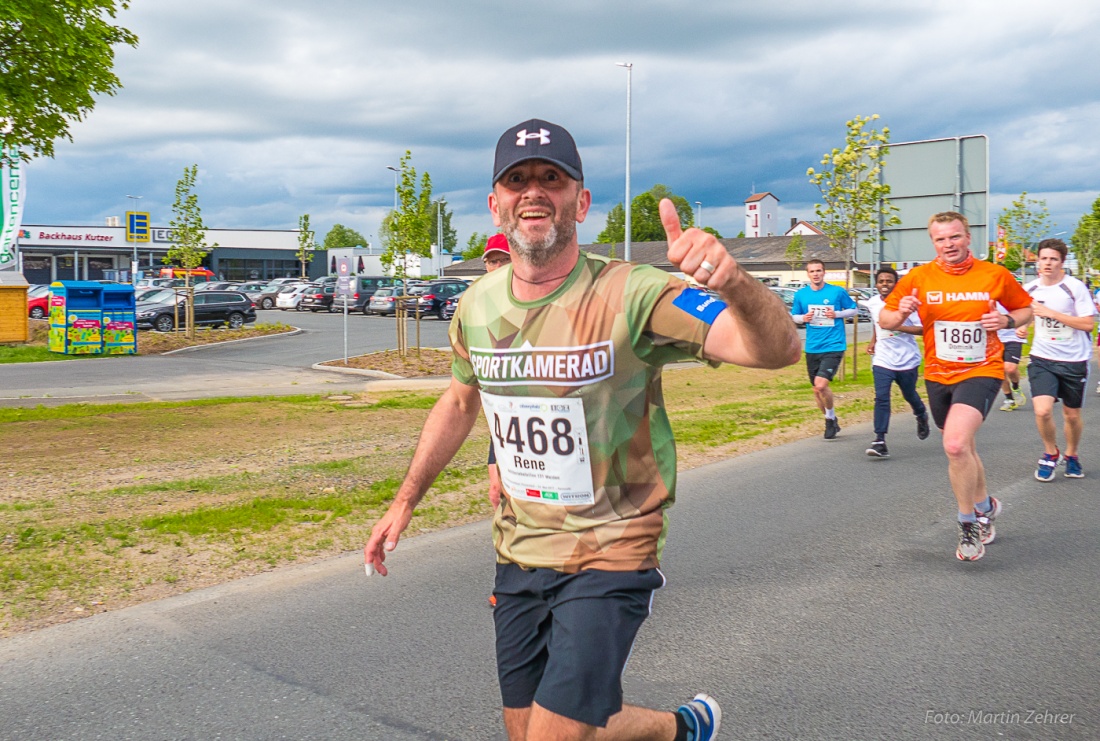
[(824, 364), (1013, 352), (973, 392), (563, 639), (1059, 379)]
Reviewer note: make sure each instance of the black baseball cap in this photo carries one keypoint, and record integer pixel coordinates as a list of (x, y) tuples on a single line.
[(537, 140)]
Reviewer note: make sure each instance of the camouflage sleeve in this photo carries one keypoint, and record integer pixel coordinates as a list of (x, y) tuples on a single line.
[(461, 367), (668, 319)]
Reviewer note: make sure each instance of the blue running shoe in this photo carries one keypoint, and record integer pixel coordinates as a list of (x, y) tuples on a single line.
[(1045, 470), (1073, 467), (703, 716)]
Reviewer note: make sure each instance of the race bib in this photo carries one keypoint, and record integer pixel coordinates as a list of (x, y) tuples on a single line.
[(1052, 330), (819, 319), (960, 342), (883, 334), (542, 448)]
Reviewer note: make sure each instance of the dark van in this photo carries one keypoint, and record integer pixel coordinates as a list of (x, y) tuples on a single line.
[(363, 287)]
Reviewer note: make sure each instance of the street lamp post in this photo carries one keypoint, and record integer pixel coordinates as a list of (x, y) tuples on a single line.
[(439, 230), (134, 259), (699, 215), (395, 171), (626, 203)]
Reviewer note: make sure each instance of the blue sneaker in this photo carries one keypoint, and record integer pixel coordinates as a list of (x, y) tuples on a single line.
[(1073, 467), (1045, 470), (703, 716)]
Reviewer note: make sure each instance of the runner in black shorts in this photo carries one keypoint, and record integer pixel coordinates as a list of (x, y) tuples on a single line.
[(956, 297), (1065, 315), (823, 364)]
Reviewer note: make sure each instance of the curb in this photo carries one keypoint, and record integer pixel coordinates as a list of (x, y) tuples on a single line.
[(294, 331)]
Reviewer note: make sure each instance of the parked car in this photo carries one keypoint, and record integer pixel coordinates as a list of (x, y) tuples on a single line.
[(231, 308), (383, 302), (268, 295), (318, 298), (216, 285), (364, 288), (437, 292), (286, 281), (291, 296), (450, 305), (38, 302)]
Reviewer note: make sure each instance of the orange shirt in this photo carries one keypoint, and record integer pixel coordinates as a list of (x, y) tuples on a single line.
[(951, 308)]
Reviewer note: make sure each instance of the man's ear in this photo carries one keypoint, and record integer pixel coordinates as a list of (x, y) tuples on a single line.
[(493, 209)]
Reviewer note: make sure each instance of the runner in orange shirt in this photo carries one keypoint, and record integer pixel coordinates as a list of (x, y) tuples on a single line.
[(956, 297)]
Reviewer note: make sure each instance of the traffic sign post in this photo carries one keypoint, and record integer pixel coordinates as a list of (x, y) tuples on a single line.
[(343, 289), (137, 230)]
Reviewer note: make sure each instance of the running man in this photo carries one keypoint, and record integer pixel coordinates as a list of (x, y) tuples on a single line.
[(563, 351), (896, 359), (1013, 341), (1059, 368), (823, 307), (956, 297)]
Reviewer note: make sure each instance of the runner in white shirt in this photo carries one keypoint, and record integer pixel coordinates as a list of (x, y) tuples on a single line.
[(896, 360), (1064, 317)]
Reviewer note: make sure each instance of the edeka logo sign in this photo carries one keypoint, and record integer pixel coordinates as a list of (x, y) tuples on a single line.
[(12, 195), (163, 235), (544, 366)]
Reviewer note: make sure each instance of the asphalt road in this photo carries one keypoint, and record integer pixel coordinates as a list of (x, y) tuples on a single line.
[(272, 365), (814, 591), (276, 365)]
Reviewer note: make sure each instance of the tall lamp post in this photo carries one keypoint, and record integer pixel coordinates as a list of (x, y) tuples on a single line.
[(439, 230), (395, 171), (626, 204), (134, 259), (699, 215)]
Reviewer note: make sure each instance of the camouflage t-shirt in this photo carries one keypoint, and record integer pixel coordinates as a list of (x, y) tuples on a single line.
[(571, 389)]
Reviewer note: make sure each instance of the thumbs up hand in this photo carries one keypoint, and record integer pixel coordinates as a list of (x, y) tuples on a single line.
[(993, 320), (908, 304)]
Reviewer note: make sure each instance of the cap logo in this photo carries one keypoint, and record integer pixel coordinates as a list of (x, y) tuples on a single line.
[(522, 136)]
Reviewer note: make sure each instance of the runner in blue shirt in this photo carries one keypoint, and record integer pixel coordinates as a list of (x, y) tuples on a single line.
[(823, 307)]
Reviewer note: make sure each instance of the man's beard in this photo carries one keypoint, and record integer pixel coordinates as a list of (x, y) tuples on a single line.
[(540, 252)]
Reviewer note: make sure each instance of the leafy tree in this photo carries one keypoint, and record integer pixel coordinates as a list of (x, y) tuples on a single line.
[(409, 231), (1086, 239), (306, 243), (475, 246), (1025, 222), (713, 231), (188, 237), (645, 221), (342, 237), (854, 197), (55, 57), (795, 254), (741, 234)]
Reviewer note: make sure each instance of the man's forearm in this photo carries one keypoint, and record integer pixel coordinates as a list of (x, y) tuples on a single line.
[(765, 336), (446, 428)]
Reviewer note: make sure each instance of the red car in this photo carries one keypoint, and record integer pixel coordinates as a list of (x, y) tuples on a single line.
[(38, 302)]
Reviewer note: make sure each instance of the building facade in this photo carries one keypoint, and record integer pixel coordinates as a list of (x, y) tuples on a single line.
[(761, 215), (48, 253)]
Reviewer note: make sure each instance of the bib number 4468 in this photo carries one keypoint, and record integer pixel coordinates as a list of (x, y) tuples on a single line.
[(536, 437)]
